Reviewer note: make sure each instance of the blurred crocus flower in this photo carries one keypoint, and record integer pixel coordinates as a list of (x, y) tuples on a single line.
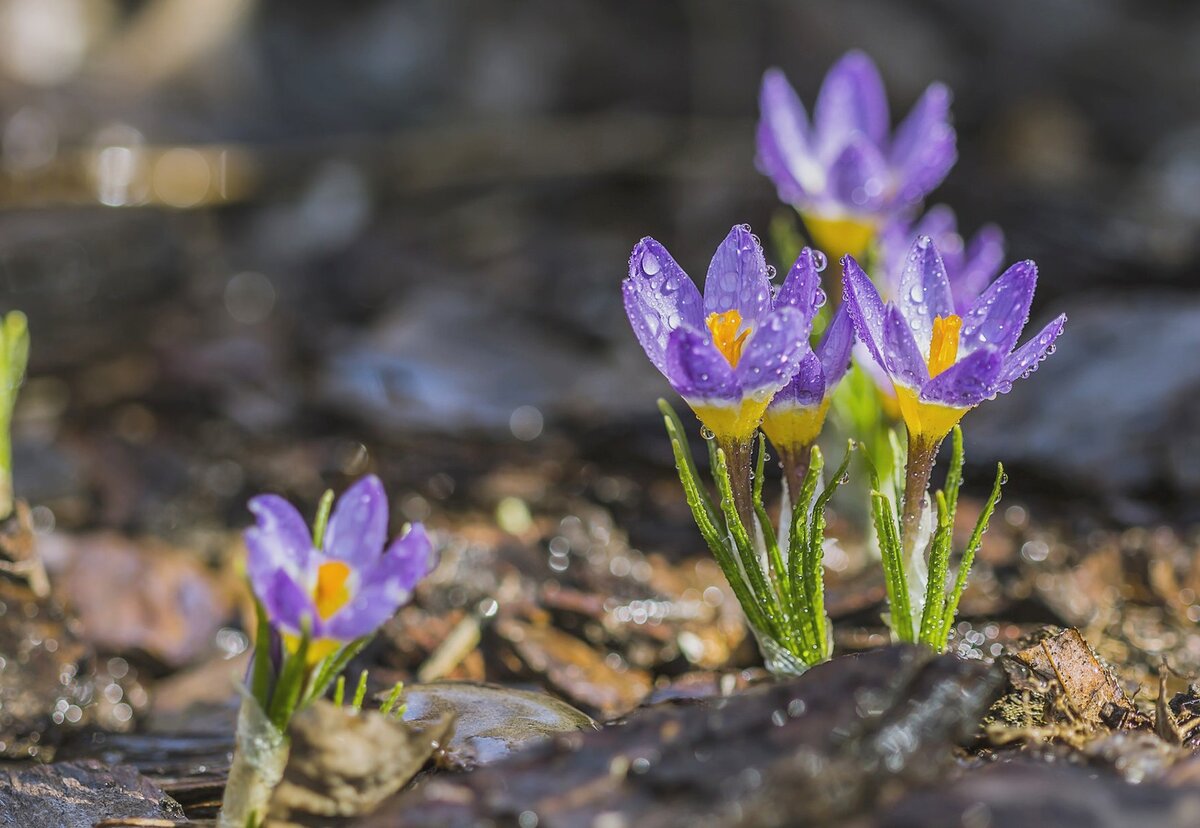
[(796, 414), (844, 172), (940, 362), (970, 265), (727, 352), (349, 586)]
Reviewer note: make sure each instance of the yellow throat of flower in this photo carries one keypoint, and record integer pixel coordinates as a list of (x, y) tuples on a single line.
[(795, 426), (332, 592), (838, 236), (932, 421), (728, 335)]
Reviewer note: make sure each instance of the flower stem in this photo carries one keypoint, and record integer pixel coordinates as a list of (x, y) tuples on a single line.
[(737, 456), (795, 461), (921, 454)]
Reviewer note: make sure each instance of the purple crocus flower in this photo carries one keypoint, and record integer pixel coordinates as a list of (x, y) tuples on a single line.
[(943, 364), (346, 589), (796, 414), (844, 172), (970, 268), (727, 352)]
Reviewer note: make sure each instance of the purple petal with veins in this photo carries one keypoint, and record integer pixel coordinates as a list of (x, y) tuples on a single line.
[(998, 316), (357, 528), (737, 278), (659, 297)]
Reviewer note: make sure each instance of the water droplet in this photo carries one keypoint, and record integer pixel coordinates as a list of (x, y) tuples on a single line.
[(819, 299), (650, 263), (706, 433), (917, 294), (819, 260)]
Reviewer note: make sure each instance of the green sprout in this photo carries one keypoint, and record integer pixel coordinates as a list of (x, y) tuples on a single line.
[(14, 356), (939, 604), (777, 576)]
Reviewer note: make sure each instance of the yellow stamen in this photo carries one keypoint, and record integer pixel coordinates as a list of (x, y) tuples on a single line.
[(332, 593), (925, 420), (943, 348), (727, 334)]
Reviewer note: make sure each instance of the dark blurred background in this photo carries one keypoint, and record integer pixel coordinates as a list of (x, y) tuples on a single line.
[(273, 244)]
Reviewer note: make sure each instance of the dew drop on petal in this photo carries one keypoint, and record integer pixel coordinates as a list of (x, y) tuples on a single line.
[(650, 263), (819, 260)]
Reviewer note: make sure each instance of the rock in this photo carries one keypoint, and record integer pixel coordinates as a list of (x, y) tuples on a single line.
[(490, 722), (819, 747), (391, 379), (343, 763), (1039, 795), (140, 596), (78, 795), (191, 768)]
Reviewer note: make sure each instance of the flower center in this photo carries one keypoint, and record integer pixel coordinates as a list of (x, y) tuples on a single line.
[(727, 334), (943, 348), (332, 592)]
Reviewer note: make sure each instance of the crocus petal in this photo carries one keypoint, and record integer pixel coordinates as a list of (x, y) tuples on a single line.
[(279, 519), (383, 586), (806, 387), (924, 290), (802, 287), (696, 369), (858, 176), (1000, 313), (861, 356), (287, 603), (737, 278), (357, 528), (784, 154), (924, 148), (280, 540), (370, 608), (834, 350), (773, 352), (659, 297), (904, 360), (410, 557), (968, 382), (1024, 361), (981, 261), (852, 100), (864, 306), (939, 223)]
